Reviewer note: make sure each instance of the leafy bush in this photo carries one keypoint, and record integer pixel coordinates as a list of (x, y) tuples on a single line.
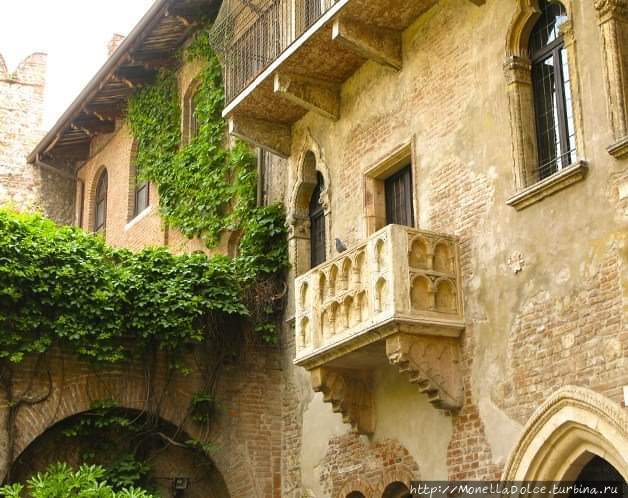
[(60, 481)]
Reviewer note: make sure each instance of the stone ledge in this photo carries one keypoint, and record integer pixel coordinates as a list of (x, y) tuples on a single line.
[(549, 186), (619, 149)]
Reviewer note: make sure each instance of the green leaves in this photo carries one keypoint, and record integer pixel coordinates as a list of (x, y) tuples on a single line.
[(68, 289), (60, 481), (204, 187)]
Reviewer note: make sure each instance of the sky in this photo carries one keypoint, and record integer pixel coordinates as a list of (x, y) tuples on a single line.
[(74, 34)]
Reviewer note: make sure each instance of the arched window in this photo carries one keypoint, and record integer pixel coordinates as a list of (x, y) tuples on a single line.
[(100, 208), (317, 224), (553, 107), (190, 117)]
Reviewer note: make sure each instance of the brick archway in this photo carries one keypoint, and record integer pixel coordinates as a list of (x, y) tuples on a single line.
[(73, 393)]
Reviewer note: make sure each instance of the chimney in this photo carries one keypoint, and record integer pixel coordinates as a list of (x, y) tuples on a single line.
[(114, 43)]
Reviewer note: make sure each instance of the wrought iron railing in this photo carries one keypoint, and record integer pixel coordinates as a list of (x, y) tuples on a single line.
[(249, 35)]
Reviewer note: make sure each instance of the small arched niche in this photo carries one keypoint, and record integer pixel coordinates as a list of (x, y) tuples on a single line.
[(443, 258), (420, 295), (446, 296), (418, 253)]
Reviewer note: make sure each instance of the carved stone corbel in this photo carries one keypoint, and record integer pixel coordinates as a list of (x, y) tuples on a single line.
[(433, 364), (613, 22), (349, 393)]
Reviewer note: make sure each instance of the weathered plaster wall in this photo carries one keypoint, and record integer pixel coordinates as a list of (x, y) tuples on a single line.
[(543, 288)]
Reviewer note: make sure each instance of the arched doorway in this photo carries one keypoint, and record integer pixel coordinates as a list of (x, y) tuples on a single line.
[(598, 470), (160, 445), (571, 433)]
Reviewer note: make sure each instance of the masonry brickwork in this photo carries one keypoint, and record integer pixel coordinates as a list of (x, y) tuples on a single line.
[(543, 288), (24, 185)]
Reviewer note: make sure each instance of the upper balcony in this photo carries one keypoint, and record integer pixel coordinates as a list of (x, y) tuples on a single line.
[(284, 58), (393, 298)]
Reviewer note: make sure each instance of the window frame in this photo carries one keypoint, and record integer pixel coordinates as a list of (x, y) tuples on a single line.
[(405, 175), (556, 51), (316, 214), (100, 198)]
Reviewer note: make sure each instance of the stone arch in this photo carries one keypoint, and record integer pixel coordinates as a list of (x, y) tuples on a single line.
[(565, 432), (129, 387), (526, 14), (356, 488), (211, 482), (392, 479), (309, 163)]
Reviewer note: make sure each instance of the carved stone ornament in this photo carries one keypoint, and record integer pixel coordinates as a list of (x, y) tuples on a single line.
[(433, 364), (349, 393), (611, 8)]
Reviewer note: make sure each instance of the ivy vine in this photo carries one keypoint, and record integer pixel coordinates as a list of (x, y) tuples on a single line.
[(204, 186)]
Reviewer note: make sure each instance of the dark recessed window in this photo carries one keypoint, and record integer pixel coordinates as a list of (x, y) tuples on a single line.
[(398, 191), (317, 224), (553, 107), (100, 208), (142, 196)]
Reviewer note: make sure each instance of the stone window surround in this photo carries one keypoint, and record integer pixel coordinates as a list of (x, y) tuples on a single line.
[(306, 164), (612, 18), (518, 73), (374, 176)]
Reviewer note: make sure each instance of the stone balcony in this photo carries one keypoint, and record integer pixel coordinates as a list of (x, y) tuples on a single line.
[(393, 298)]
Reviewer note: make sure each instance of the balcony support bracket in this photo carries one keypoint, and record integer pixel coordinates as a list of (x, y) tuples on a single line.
[(371, 42), (320, 97), (349, 392), (433, 364), (270, 136)]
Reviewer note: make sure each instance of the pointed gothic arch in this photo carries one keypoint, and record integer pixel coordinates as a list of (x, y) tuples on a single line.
[(310, 171), (573, 426)]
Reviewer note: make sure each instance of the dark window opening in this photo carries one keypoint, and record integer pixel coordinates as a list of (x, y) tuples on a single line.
[(100, 218), (553, 107), (398, 192), (317, 225), (141, 196), (600, 471)]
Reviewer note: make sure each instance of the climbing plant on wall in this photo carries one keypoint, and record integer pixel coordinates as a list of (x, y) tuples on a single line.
[(205, 187)]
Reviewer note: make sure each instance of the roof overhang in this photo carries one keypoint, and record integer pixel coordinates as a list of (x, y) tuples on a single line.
[(152, 44)]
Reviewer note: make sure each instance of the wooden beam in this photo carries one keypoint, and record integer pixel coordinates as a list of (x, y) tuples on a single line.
[(153, 61), (273, 137), (134, 76), (318, 96), (104, 112), (93, 127), (371, 42)]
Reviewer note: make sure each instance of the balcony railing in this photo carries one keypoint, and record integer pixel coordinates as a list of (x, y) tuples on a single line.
[(400, 278), (249, 36)]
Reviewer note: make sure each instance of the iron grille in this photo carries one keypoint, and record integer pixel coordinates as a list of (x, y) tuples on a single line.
[(249, 35)]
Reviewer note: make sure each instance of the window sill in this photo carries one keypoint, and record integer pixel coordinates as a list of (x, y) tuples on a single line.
[(619, 149), (549, 186), (138, 218)]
